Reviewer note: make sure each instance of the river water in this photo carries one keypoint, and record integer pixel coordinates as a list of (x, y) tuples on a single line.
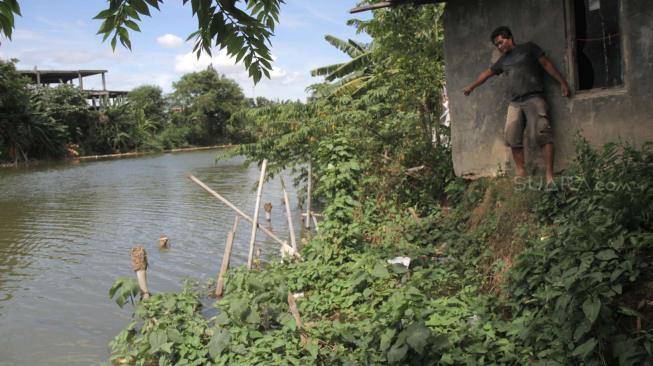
[(66, 231)]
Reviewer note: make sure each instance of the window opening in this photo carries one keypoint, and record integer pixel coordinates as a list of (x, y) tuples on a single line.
[(598, 44)]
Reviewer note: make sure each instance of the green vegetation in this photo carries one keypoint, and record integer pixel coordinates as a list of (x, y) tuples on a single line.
[(52, 123), (501, 272)]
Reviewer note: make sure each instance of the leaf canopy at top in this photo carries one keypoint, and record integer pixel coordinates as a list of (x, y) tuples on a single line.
[(242, 27)]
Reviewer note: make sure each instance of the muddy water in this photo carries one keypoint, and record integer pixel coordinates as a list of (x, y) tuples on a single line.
[(66, 231)]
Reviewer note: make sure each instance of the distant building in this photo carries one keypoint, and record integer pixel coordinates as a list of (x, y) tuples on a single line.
[(99, 97)]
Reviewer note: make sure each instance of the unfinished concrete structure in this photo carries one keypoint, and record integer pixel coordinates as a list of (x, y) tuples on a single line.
[(603, 47), (96, 97)]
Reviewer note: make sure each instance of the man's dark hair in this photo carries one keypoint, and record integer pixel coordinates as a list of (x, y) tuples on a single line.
[(502, 31)]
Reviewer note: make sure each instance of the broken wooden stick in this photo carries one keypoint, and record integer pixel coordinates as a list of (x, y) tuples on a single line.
[(414, 215), (295, 313), (244, 215), (259, 191), (219, 288)]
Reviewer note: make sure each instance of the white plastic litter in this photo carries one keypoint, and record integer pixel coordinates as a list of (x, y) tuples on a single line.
[(405, 261)]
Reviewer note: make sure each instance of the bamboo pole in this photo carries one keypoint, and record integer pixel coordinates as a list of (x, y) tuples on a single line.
[(139, 265), (225, 259), (308, 197), (291, 228), (259, 191), (243, 215)]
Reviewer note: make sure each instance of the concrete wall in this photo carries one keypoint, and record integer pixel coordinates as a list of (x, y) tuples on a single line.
[(601, 116)]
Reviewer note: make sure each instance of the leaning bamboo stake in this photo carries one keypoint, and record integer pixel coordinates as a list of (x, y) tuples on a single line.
[(225, 259), (291, 228), (244, 215), (308, 196), (259, 191), (139, 265)]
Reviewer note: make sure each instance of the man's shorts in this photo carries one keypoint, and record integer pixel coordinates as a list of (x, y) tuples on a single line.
[(531, 114)]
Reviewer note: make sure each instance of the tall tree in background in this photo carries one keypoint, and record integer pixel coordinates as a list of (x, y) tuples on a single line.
[(149, 98), (208, 100)]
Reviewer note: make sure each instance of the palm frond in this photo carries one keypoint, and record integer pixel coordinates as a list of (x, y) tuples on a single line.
[(353, 87), (344, 46), (326, 70), (356, 64)]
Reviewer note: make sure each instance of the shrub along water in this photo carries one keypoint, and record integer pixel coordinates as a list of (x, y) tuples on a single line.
[(577, 292), (501, 272), (53, 122)]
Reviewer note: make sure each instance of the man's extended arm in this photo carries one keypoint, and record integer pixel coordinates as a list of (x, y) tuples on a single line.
[(551, 70), (479, 80)]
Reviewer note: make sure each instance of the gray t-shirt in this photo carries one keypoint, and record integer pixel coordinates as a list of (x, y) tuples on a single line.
[(523, 69)]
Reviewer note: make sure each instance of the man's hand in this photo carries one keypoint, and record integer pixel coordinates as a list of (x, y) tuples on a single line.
[(468, 90), (479, 81), (564, 88)]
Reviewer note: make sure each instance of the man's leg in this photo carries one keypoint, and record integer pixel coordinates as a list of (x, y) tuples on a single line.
[(537, 115), (520, 162), (547, 151), (513, 134)]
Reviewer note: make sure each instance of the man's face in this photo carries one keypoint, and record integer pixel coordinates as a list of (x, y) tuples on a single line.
[(504, 44)]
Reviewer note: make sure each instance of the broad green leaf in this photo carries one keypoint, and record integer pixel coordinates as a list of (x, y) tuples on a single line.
[(174, 335), (386, 339), (396, 353), (591, 308), (417, 337), (104, 14), (584, 349), (606, 255), (157, 339), (132, 25), (380, 271), (219, 342), (254, 317)]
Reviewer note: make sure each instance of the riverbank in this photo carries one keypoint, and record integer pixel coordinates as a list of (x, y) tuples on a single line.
[(511, 274), (113, 156)]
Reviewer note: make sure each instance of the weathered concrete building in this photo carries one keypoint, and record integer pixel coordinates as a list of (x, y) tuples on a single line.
[(603, 47)]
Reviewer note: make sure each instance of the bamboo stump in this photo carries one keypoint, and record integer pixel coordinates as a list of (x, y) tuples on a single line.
[(268, 211), (164, 243), (139, 265)]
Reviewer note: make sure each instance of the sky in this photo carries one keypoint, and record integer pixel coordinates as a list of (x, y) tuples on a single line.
[(61, 35)]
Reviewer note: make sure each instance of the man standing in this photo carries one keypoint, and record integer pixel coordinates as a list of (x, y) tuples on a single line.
[(523, 64)]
